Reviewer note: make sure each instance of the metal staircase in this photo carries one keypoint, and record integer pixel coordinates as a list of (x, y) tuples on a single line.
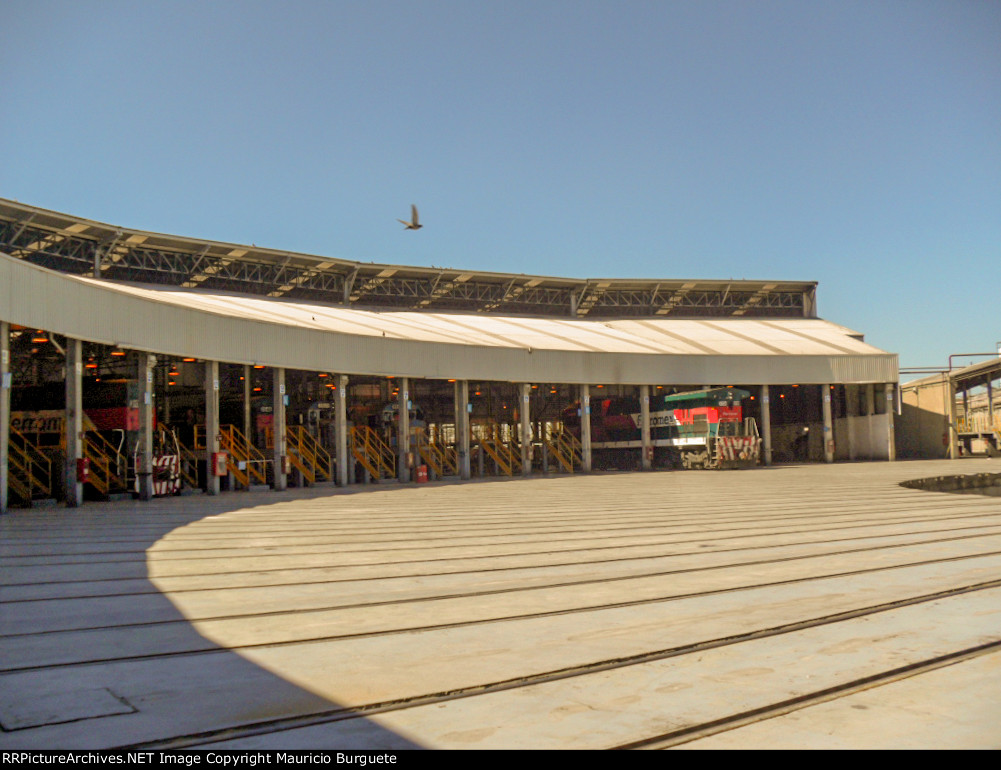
[(375, 455), (30, 470), (441, 460), (567, 449), (108, 466)]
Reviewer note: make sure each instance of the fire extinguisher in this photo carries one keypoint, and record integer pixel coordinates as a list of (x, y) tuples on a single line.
[(83, 470)]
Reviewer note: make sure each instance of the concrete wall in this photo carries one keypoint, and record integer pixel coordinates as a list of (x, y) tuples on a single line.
[(922, 429), (867, 434)]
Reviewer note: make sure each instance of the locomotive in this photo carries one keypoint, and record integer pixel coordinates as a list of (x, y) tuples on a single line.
[(694, 429)]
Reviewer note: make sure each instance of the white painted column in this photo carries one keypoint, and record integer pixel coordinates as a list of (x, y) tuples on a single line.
[(891, 442), (646, 447), (278, 426), (74, 420), (462, 428), (953, 419), (766, 424), (144, 457), (825, 400), (211, 385), (870, 411), (585, 427), (403, 437), (526, 430), (851, 404), (5, 387), (247, 390), (341, 428)]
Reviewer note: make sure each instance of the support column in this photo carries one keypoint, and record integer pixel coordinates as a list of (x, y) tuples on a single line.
[(144, 455), (825, 400), (585, 428), (953, 424), (403, 434), (646, 448), (247, 390), (164, 388), (851, 402), (5, 386), (766, 425), (990, 415), (74, 420), (462, 428), (870, 411), (211, 385), (341, 428), (526, 430), (278, 426), (891, 442)]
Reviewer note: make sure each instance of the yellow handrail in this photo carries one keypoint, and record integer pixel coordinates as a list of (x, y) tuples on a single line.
[(31, 469), (443, 460), (501, 454), (567, 450), (372, 452), (107, 464)]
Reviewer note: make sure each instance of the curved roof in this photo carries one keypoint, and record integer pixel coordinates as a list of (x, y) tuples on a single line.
[(325, 337), (81, 246)]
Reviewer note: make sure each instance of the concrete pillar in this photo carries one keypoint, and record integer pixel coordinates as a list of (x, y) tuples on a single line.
[(211, 385), (144, 455), (247, 390), (278, 426), (766, 425), (585, 427), (870, 410), (341, 428), (891, 445), (403, 437), (5, 386), (74, 420), (462, 428), (851, 402), (825, 400), (646, 447), (526, 430), (953, 420), (164, 397)]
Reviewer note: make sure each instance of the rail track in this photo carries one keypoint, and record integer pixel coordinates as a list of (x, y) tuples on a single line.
[(480, 620)]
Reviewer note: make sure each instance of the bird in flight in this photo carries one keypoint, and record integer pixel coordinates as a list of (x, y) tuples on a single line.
[(414, 223)]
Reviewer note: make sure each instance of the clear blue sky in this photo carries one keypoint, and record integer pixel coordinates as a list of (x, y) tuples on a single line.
[(853, 143)]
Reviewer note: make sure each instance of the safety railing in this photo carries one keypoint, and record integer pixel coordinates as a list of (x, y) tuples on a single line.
[(30, 470), (374, 454), (307, 455), (108, 469), (239, 451), (502, 454), (189, 465), (567, 449), (442, 460)]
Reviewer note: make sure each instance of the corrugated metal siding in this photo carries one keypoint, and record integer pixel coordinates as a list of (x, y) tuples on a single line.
[(313, 337)]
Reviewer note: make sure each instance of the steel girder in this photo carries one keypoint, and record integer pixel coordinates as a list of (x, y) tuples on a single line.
[(116, 256)]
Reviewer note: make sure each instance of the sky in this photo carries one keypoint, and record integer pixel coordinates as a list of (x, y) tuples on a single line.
[(857, 144)]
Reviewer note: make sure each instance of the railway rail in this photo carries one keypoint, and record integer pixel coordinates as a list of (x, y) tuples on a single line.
[(339, 621)]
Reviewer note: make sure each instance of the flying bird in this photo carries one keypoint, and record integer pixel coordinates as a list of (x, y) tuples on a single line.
[(414, 223)]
